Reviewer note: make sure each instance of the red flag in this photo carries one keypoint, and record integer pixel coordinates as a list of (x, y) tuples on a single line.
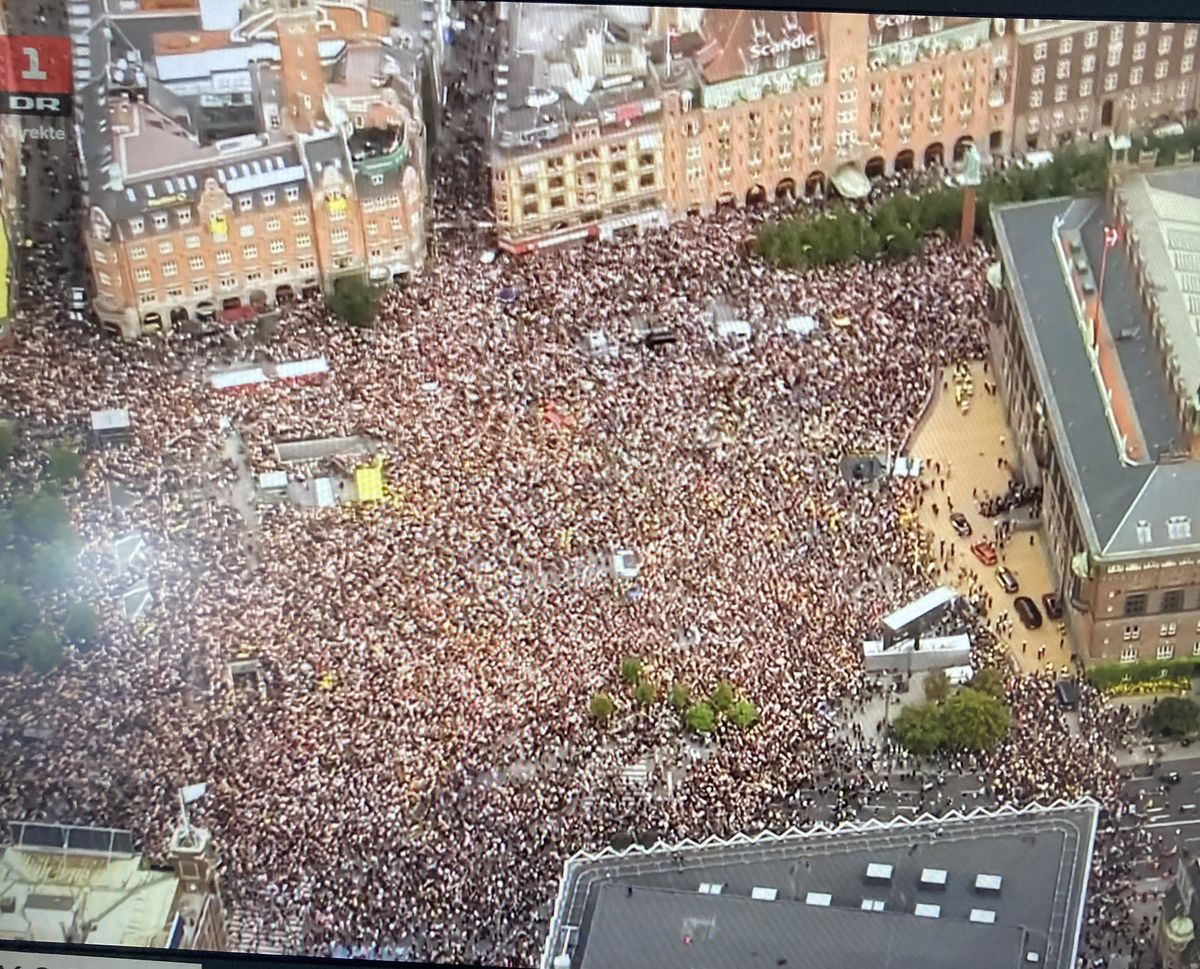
[(1112, 235)]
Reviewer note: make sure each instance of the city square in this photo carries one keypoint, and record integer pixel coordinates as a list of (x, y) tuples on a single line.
[(406, 612)]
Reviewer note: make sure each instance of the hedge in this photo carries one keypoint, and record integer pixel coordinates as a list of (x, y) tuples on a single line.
[(1105, 676)]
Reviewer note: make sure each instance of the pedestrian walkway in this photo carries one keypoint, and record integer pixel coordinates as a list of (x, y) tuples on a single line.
[(970, 455)]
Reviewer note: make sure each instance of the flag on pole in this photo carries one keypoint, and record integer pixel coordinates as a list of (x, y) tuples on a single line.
[(1112, 235), (192, 793)]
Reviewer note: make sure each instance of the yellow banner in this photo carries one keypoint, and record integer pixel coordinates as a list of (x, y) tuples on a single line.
[(337, 205), (218, 225)]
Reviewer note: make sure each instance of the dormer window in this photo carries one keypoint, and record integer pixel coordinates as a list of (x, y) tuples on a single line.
[(1179, 527), (1144, 535)]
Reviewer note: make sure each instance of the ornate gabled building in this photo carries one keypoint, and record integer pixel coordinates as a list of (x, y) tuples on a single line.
[(242, 157)]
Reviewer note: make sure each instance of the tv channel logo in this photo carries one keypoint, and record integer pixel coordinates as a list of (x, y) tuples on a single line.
[(35, 75)]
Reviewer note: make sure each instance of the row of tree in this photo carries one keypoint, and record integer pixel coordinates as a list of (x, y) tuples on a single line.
[(975, 718), (701, 715), (895, 229), (37, 564)]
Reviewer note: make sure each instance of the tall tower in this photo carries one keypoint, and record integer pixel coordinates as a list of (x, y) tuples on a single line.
[(199, 901), (1175, 935), (300, 63)]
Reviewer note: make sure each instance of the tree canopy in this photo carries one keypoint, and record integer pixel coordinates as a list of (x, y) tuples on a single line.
[(700, 717), (975, 720), (919, 728), (355, 301), (1173, 716), (602, 707)]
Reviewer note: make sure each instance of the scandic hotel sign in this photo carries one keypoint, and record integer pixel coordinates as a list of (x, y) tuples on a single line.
[(35, 75)]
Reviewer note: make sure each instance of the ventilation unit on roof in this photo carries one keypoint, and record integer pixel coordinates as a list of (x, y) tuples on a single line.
[(877, 872), (872, 905), (987, 883), (821, 899), (933, 878), (709, 888), (984, 916), (761, 894), (927, 911)]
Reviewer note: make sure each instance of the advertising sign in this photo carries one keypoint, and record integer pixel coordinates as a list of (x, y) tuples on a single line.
[(35, 75)]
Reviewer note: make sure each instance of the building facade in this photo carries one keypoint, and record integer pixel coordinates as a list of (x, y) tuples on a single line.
[(265, 153), (1101, 393), (1078, 79)]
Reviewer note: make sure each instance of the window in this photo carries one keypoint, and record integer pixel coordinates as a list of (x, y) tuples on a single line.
[(1128, 654), (1060, 93), (1196, 648), (1085, 88), (137, 252), (306, 265), (376, 179), (269, 197), (1091, 39), (272, 225), (1143, 28), (99, 256), (1038, 76), (277, 246), (1088, 65), (137, 226), (224, 257), (1139, 50), (245, 204), (249, 252), (339, 237), (253, 277), (291, 193), (228, 282), (196, 263), (1135, 76), (246, 230), (105, 279), (1035, 99), (1172, 601), (1161, 69), (1110, 82), (1114, 56), (1135, 604), (1063, 70), (170, 268), (1132, 634), (1164, 44), (146, 299), (1189, 38), (300, 218), (1116, 33), (184, 216), (1039, 52), (141, 274), (1065, 45), (278, 271), (1167, 629), (1186, 63), (192, 242), (165, 248), (1165, 651), (160, 220)]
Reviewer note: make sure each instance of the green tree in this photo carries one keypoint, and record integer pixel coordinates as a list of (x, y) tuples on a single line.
[(1173, 716), (41, 650), (990, 679), (354, 301), (937, 686), (80, 624), (17, 614), (722, 696), (679, 696), (602, 707), (645, 693), (975, 720), (743, 714), (65, 465), (919, 728), (631, 669), (8, 444), (700, 717)]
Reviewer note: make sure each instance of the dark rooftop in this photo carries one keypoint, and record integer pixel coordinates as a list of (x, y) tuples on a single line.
[(1112, 495), (679, 907)]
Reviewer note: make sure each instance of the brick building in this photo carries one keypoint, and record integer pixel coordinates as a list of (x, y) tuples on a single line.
[(244, 157), (1108, 413), (1079, 78)]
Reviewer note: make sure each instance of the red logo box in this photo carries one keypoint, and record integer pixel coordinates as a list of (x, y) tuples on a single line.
[(35, 64)]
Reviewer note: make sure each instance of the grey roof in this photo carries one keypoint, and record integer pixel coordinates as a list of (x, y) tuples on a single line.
[(642, 909), (678, 930), (1106, 490)]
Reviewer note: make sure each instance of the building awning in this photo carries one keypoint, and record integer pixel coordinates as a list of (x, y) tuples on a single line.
[(368, 482), (116, 419), (851, 183)]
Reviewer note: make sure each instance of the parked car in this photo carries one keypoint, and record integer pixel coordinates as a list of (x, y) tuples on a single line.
[(1067, 693), (985, 551), (1052, 605), (1008, 581), (1027, 611), (1171, 779), (960, 523)]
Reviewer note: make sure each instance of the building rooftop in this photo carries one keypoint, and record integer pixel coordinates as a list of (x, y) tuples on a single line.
[(1125, 508), (982, 889), (742, 41)]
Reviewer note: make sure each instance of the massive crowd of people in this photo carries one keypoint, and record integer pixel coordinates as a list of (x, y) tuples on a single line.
[(421, 760)]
